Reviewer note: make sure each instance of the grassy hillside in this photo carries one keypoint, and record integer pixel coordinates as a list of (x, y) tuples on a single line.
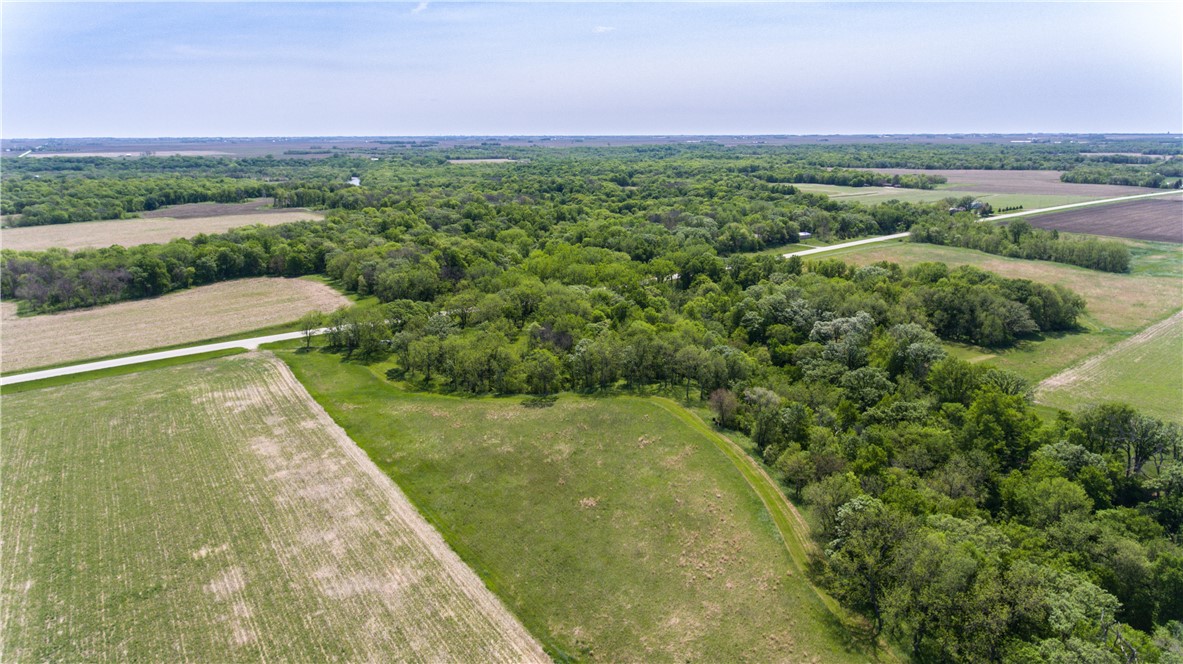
[(615, 530), (1146, 370)]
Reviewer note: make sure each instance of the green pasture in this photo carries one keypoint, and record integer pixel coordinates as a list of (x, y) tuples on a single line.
[(1148, 375), (614, 528)]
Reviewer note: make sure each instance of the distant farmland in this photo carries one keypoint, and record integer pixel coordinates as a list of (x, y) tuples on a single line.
[(1157, 219), (213, 512), (130, 232), (199, 313), (1019, 182)]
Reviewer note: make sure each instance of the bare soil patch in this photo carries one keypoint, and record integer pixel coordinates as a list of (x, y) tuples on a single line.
[(1018, 182), (131, 232), (1156, 219), (183, 317)]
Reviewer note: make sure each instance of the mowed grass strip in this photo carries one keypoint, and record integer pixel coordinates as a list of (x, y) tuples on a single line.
[(1145, 370), (1118, 305), (183, 317), (131, 232), (213, 512), (615, 530)]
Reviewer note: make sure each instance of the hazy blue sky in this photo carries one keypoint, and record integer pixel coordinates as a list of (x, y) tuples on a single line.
[(269, 69)]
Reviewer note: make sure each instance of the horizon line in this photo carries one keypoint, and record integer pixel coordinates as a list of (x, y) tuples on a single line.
[(601, 135)]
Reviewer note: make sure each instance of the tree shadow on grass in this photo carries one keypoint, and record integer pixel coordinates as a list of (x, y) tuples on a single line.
[(857, 636)]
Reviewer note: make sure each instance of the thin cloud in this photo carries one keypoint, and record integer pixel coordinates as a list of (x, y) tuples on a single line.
[(418, 8), (601, 29)]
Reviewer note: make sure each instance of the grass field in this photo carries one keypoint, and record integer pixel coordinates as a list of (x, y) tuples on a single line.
[(1118, 304), (615, 530), (213, 512), (185, 316), (874, 195), (130, 232), (1146, 370), (1020, 182), (1155, 259)]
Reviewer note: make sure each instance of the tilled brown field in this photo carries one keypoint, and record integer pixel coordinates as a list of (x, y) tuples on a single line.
[(214, 512), (130, 232), (1157, 219), (1019, 182), (186, 316)]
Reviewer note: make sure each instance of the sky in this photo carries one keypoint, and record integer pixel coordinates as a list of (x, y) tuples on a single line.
[(570, 68)]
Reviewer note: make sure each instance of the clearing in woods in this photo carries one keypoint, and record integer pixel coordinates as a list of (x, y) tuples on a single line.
[(1145, 369), (131, 232), (614, 530), (1001, 189), (213, 512), (1019, 182), (875, 195), (1118, 305), (189, 210), (186, 316)]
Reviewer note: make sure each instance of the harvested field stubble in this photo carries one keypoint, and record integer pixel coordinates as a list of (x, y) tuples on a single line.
[(213, 512), (186, 316), (131, 232)]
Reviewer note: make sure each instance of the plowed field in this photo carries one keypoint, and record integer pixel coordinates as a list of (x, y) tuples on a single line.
[(213, 512), (1156, 219)]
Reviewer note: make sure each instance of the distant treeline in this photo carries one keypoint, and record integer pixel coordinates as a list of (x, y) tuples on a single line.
[(79, 184), (848, 177), (1158, 174), (62, 200), (1019, 239)]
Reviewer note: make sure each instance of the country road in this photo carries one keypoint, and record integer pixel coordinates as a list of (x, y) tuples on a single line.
[(248, 344), (1011, 215)]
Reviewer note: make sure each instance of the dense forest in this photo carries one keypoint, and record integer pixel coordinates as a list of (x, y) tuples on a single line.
[(41, 201), (961, 524), (69, 189)]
